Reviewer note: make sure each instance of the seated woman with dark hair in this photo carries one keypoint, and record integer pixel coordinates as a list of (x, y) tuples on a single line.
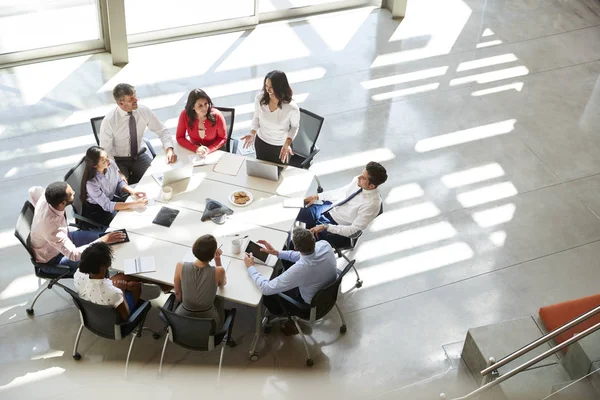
[(92, 284), (204, 124), (100, 184), (196, 282)]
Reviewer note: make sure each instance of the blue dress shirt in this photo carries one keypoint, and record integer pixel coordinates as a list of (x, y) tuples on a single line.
[(309, 273), (102, 188)]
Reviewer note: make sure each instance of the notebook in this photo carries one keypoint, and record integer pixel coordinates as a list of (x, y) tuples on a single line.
[(210, 159), (293, 202), (139, 265), (229, 164), (165, 216)]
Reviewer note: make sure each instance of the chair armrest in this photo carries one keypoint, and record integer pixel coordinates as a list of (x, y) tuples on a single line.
[(138, 315), (306, 163), (170, 302), (294, 302), (89, 221), (228, 323), (53, 281)]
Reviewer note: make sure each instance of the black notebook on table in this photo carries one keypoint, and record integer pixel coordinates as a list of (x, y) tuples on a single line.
[(165, 216)]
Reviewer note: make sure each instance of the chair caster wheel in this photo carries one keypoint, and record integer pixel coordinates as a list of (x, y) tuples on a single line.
[(343, 329), (254, 357), (29, 311), (267, 329), (231, 343), (77, 356), (359, 283), (310, 362), (155, 336)]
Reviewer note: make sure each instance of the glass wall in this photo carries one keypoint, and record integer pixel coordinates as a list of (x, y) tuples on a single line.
[(153, 15), (28, 25)]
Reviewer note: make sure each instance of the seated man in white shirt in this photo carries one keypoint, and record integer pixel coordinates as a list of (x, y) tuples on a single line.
[(122, 133), (92, 284), (314, 268), (347, 210)]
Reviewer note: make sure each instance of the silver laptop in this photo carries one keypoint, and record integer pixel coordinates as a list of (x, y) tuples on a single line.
[(262, 170), (175, 175)]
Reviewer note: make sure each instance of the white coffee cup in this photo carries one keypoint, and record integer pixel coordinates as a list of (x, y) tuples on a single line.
[(236, 246), (167, 193)]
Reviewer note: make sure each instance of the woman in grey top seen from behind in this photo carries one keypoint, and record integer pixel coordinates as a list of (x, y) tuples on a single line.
[(196, 282)]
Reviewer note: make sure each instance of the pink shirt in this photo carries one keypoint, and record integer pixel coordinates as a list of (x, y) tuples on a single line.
[(49, 232)]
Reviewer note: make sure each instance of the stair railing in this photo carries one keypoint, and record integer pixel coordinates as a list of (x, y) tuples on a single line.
[(493, 365)]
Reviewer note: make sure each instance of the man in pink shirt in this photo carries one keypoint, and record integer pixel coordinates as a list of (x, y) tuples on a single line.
[(50, 238)]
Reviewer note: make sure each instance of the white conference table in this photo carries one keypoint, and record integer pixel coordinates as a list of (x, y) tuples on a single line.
[(265, 218)]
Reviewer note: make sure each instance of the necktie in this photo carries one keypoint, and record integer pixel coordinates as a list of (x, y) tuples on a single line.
[(339, 203), (133, 136)]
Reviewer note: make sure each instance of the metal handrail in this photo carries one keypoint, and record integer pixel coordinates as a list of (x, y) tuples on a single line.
[(549, 336), (528, 364)]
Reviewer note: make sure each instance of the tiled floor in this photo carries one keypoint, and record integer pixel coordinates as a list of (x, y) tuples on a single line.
[(486, 114)]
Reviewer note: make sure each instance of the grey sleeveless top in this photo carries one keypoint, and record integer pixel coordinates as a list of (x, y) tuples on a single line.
[(198, 291)]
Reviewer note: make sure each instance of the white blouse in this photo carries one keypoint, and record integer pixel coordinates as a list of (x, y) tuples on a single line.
[(275, 127)]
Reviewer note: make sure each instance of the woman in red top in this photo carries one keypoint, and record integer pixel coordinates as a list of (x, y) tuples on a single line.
[(204, 124)]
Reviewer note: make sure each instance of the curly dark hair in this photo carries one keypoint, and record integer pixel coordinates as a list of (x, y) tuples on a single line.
[(191, 102), (281, 88)]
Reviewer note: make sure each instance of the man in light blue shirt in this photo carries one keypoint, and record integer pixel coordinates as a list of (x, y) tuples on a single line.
[(314, 268)]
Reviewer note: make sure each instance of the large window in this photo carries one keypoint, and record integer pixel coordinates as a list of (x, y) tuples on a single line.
[(154, 15), (27, 25)]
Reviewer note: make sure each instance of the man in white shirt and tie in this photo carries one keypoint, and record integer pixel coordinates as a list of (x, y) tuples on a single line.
[(122, 132), (347, 210)]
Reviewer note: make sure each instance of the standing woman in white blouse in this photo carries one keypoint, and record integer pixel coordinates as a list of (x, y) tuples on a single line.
[(276, 120)]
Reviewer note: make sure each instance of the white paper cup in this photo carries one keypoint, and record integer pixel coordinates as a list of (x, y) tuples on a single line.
[(167, 193), (236, 246)]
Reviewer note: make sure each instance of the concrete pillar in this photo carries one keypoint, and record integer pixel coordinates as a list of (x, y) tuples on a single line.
[(117, 32), (396, 7)]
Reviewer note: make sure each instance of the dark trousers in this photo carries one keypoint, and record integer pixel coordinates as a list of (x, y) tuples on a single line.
[(276, 304), (79, 238), (134, 169), (97, 214), (314, 215), (266, 151)]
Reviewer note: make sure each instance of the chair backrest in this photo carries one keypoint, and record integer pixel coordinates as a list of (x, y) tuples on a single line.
[(96, 122), (229, 115), (74, 178), (189, 332), (324, 300), (101, 320), (23, 226), (308, 133)]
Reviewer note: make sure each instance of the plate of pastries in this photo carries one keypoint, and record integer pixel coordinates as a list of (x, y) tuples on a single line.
[(240, 198)]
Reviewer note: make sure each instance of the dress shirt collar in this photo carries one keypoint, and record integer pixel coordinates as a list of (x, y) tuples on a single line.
[(123, 113), (55, 211), (372, 192)]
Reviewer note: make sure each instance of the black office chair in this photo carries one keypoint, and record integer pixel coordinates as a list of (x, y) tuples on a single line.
[(305, 142), (74, 178), (198, 334), (97, 121), (231, 145), (50, 273), (342, 243), (105, 322), (323, 301)]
